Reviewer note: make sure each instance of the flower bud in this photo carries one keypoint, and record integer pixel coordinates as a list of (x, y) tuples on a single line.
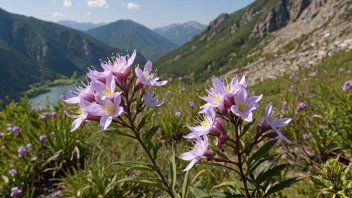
[(138, 85), (271, 135)]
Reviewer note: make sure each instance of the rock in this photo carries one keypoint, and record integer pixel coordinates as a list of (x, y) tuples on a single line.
[(297, 7), (216, 22)]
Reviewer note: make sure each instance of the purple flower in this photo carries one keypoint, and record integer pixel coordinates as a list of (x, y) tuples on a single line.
[(9, 128), (347, 86), (342, 70), (82, 114), (180, 78), (85, 93), (53, 133), (21, 151), (15, 191), (44, 116), (28, 147), (313, 73), (266, 123), (350, 164), (292, 76), (16, 129), (301, 106), (200, 150), (284, 105), (321, 126), (43, 138), (145, 77), (53, 114), (292, 86), (2, 147), (192, 104), (2, 135), (203, 127), (244, 105), (107, 111), (178, 114), (106, 90), (150, 101), (306, 136), (12, 172)]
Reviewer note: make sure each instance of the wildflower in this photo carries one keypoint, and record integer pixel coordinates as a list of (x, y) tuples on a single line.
[(53, 114), (53, 133), (347, 86), (2, 135), (292, 86), (284, 105), (2, 147), (44, 116), (301, 106), (313, 73), (107, 111), (43, 138), (28, 147), (21, 151), (145, 77), (82, 114), (106, 90), (183, 89), (200, 150), (350, 164), (204, 126), (15, 191), (16, 129), (292, 76), (342, 70), (180, 78), (192, 104), (150, 101), (266, 124), (178, 114), (9, 127), (168, 92), (245, 105), (84, 92), (321, 126), (306, 136), (12, 172)]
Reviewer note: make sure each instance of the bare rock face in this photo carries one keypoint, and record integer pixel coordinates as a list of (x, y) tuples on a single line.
[(277, 18), (297, 7), (216, 22)]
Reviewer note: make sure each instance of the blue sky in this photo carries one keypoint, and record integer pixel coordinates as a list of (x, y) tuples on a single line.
[(151, 13)]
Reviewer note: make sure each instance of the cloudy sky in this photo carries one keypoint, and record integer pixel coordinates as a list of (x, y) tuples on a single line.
[(151, 13)]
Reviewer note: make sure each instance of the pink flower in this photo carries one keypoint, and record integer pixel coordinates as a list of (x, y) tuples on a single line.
[(244, 105), (145, 77), (150, 101)]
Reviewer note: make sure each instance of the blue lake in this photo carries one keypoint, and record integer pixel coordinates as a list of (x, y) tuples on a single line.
[(52, 96)]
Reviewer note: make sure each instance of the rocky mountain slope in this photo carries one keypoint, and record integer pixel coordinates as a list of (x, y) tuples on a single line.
[(181, 33), (34, 51), (127, 34), (82, 26), (267, 39)]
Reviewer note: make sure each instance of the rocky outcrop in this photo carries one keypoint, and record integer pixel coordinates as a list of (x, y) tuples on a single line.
[(277, 18), (297, 7), (216, 22)]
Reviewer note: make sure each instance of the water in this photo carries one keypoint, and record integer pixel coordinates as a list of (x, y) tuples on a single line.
[(50, 97)]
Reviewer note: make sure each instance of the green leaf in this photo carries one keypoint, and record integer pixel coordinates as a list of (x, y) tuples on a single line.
[(261, 152), (217, 152), (226, 183), (197, 175), (148, 136), (144, 120), (265, 175), (282, 185), (199, 193), (259, 162), (185, 185), (226, 195), (134, 165), (173, 171), (144, 181), (245, 129)]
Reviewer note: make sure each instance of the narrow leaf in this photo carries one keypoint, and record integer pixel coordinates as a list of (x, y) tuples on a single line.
[(245, 128), (145, 181), (282, 185), (134, 165), (263, 176), (199, 193), (148, 136), (185, 185), (261, 152)]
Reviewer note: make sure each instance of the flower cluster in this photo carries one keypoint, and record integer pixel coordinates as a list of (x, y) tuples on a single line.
[(347, 86), (107, 95), (233, 104)]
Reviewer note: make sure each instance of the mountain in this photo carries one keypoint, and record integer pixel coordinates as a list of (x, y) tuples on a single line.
[(127, 34), (266, 39), (82, 26), (34, 51), (181, 33)]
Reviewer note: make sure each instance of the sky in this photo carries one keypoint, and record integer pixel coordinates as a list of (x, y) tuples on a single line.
[(151, 13)]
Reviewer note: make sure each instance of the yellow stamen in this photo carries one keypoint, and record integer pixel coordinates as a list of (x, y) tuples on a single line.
[(242, 107), (109, 109), (205, 124), (108, 92), (216, 99)]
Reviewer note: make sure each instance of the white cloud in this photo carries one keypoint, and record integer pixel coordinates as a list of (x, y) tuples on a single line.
[(58, 14), (88, 13), (67, 3), (97, 4), (132, 6)]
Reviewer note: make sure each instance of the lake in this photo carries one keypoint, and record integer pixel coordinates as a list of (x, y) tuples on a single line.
[(52, 96)]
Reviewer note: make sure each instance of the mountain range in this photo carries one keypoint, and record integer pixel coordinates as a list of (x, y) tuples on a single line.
[(181, 33), (82, 26), (127, 34), (266, 39), (34, 51)]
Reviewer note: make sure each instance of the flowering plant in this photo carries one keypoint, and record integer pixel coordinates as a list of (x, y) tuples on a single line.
[(234, 148)]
